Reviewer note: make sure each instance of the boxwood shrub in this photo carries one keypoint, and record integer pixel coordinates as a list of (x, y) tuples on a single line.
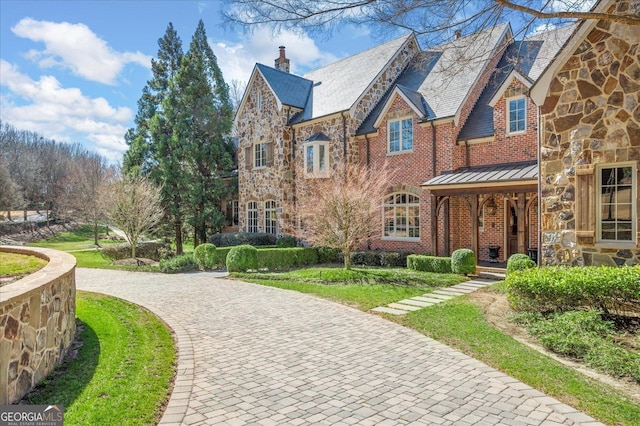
[(424, 263), (286, 258), (147, 249), (242, 258), (551, 289), (205, 256), (286, 241), (463, 261), (519, 262)]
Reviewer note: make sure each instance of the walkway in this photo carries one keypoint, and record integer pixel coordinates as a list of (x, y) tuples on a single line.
[(436, 296), (250, 354)]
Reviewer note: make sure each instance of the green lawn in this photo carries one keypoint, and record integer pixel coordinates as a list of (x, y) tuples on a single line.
[(460, 324), (358, 287), (123, 369), (14, 264), (77, 239)]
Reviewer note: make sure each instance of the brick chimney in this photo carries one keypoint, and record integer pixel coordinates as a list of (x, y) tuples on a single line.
[(282, 63), (458, 34)]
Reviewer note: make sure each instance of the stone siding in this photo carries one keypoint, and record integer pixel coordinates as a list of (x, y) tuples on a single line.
[(37, 322), (591, 116)]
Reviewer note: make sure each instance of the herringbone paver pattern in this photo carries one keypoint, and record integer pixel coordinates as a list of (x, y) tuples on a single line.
[(262, 356)]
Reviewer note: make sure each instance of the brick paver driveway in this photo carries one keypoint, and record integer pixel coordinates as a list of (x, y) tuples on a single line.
[(257, 355)]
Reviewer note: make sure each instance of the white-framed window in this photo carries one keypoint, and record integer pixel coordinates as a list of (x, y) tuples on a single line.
[(316, 158), (402, 217), (616, 211), (516, 114), (259, 100), (270, 217), (401, 135), (252, 216), (259, 155)]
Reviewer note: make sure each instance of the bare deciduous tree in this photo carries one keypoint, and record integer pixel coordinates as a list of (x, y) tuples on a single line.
[(342, 212), (432, 20), (136, 208)]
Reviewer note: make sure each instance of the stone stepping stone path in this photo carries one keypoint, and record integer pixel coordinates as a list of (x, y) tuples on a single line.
[(437, 296)]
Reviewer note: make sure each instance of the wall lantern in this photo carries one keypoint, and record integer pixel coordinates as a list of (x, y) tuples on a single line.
[(491, 207)]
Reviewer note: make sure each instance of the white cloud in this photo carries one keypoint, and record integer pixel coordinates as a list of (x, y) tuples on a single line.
[(77, 48), (237, 59), (571, 5), (64, 114)]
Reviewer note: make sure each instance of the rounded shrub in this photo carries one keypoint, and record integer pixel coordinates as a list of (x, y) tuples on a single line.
[(205, 256), (242, 258), (463, 261), (286, 242), (519, 262)]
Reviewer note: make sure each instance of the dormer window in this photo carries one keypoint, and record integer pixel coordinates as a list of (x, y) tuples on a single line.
[(401, 135), (517, 115)]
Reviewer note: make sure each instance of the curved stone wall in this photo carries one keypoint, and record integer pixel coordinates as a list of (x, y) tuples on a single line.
[(37, 322)]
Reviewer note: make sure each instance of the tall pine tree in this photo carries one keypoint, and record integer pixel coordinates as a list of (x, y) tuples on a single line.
[(203, 120)]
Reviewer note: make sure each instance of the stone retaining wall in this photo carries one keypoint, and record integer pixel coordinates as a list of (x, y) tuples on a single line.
[(37, 322)]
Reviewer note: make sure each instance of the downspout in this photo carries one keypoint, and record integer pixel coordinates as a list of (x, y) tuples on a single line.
[(344, 136), (539, 186), (366, 137), (433, 149)]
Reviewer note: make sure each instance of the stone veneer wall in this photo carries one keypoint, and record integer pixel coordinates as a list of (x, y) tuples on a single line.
[(37, 322), (591, 116)]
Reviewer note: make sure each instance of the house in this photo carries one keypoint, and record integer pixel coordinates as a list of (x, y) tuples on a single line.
[(589, 98), (454, 122)]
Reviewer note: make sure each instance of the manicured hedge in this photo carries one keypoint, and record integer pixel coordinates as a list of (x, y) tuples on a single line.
[(424, 263), (286, 258), (463, 261), (147, 249), (387, 259), (240, 238), (553, 289), (286, 241)]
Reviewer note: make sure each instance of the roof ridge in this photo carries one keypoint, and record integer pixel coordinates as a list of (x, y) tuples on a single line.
[(259, 65)]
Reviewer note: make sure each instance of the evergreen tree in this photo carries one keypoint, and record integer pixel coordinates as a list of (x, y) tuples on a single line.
[(204, 115)]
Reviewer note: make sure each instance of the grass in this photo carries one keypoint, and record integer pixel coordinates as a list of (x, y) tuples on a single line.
[(361, 288), (14, 264), (460, 324), (123, 369), (78, 239)]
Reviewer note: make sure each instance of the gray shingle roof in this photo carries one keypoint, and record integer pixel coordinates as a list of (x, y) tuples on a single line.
[(486, 174), (337, 86), (291, 89), (528, 57)]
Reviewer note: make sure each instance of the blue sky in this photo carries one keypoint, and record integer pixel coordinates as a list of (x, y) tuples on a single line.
[(73, 70)]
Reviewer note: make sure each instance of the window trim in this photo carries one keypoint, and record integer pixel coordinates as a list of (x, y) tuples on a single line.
[(263, 156), (385, 205), (268, 210), (249, 218), (400, 150), (508, 117), (260, 100), (600, 242), (316, 173)]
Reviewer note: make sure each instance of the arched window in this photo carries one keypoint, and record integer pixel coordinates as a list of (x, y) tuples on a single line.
[(402, 217), (252, 216), (270, 217)]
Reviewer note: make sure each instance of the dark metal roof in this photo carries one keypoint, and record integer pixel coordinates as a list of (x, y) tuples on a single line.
[(319, 136), (485, 174), (289, 88)]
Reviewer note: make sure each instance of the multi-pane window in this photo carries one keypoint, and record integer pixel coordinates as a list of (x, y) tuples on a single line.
[(516, 114), (270, 217), (235, 210), (252, 216), (617, 211), (402, 216), (316, 158), (259, 154), (401, 135)]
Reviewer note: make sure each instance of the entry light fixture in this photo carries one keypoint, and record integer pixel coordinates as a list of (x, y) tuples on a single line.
[(491, 207)]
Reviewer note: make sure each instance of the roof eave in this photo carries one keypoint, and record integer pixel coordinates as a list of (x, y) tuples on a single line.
[(526, 81)]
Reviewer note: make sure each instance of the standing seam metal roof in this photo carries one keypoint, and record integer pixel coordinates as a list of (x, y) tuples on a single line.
[(485, 174)]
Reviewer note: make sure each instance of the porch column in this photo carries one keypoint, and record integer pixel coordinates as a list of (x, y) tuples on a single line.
[(521, 212), (447, 230), (474, 225), (434, 225)]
